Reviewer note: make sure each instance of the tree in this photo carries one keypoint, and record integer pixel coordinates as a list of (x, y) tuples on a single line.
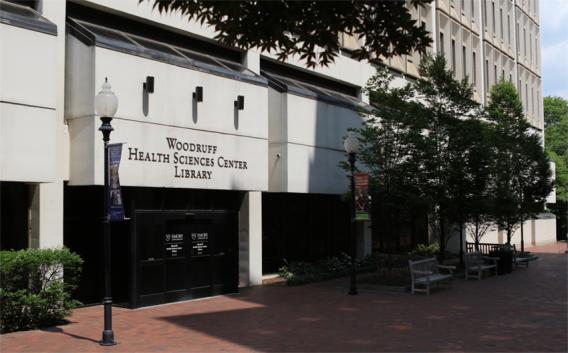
[(556, 141), (389, 143), (446, 112), (522, 177), (310, 29), (556, 144)]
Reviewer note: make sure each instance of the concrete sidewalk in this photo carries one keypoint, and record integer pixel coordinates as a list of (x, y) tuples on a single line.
[(525, 311)]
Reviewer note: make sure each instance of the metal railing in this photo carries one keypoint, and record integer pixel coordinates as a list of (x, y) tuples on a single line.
[(485, 248)]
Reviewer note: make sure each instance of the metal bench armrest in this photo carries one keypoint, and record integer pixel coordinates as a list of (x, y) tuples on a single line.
[(422, 272), (448, 267)]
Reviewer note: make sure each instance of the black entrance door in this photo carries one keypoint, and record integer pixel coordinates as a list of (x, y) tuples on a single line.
[(183, 255)]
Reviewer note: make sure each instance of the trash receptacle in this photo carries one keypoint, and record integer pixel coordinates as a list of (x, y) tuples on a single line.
[(505, 262)]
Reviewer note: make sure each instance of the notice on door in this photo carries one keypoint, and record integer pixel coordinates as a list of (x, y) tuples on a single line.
[(174, 245), (199, 244)]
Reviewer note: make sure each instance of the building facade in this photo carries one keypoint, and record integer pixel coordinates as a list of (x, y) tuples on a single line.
[(220, 190)]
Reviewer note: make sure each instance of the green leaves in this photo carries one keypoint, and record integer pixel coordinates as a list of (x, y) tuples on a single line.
[(521, 177), (309, 29), (431, 144), (556, 136), (32, 291)]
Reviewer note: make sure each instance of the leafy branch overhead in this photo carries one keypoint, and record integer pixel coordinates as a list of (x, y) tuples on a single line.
[(309, 29)]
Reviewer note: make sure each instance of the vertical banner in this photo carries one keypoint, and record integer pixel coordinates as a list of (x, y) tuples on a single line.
[(115, 207), (361, 196)]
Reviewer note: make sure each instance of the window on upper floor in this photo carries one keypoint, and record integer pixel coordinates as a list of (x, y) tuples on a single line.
[(464, 62), (463, 6), (472, 9), (510, 78), (532, 100), (501, 24), (486, 76), (509, 29), (531, 47), (517, 40), (473, 69), (493, 15), (442, 43), (525, 42), (453, 53), (484, 13), (526, 96), (495, 78)]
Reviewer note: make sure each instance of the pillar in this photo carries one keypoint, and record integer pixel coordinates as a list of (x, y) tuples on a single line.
[(250, 239), (45, 216), (364, 239)]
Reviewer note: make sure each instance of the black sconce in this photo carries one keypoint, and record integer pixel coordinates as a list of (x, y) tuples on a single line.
[(149, 84), (198, 94), (240, 102)]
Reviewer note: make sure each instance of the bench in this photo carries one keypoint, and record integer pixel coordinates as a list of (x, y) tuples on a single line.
[(476, 263), (520, 258), (423, 273)]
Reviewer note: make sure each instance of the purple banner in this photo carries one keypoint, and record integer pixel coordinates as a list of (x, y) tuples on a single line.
[(115, 207)]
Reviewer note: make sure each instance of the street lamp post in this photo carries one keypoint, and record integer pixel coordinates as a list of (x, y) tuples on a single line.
[(106, 105), (351, 145)]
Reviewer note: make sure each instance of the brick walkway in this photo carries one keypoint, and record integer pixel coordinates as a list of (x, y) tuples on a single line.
[(521, 312)]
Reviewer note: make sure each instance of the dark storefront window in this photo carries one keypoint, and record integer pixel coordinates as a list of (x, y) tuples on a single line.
[(151, 262), (14, 206), (302, 227)]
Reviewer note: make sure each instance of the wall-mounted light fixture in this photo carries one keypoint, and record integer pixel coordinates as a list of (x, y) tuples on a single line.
[(240, 102), (149, 84), (198, 94)]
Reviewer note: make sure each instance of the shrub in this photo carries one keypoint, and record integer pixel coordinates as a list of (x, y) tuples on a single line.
[(32, 291), (426, 250), (296, 273)]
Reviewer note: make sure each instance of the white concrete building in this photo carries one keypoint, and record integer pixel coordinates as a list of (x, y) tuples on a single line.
[(255, 185)]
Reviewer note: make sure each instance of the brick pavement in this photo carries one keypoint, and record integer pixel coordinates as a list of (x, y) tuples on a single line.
[(525, 311)]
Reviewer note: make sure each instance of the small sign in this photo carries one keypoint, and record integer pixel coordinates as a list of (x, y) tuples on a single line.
[(115, 206), (199, 244), (174, 244), (361, 196)]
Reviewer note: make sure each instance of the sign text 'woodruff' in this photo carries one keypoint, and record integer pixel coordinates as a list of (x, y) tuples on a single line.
[(190, 160)]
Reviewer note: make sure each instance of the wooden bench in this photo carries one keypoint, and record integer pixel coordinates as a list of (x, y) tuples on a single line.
[(426, 272), (521, 259), (476, 263)]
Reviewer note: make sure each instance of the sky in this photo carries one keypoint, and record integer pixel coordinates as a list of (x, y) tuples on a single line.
[(554, 46)]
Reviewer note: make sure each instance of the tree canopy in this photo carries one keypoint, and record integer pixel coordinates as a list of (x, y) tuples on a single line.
[(556, 141), (428, 143), (310, 29)]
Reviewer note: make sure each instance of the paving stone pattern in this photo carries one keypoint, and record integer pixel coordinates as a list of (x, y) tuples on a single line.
[(525, 311)]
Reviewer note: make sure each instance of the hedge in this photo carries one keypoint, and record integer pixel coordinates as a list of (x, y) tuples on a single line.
[(32, 292)]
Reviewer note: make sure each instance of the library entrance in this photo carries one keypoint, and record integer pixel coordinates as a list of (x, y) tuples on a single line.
[(184, 255)]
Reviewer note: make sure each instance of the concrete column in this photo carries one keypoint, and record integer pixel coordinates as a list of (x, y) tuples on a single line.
[(250, 239), (364, 239), (45, 216), (252, 61)]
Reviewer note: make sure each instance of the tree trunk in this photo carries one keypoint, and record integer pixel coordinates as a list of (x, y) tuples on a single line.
[(461, 244), (442, 238), (522, 236)]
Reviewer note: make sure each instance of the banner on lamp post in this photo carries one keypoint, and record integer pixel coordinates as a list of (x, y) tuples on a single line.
[(361, 196), (116, 207)]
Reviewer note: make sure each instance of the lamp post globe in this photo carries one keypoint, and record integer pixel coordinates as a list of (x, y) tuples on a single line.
[(106, 105), (106, 102), (351, 145)]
